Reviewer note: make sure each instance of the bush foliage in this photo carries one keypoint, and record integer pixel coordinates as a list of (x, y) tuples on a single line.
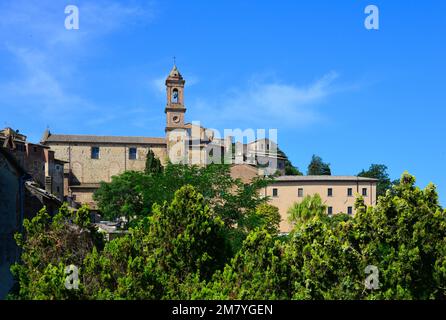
[(206, 236)]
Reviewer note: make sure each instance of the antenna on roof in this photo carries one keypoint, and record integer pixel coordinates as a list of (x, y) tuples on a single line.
[(174, 61)]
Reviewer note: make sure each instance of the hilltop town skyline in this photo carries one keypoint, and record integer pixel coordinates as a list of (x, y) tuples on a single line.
[(329, 80)]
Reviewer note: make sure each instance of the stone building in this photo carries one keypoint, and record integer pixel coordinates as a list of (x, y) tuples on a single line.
[(37, 160), (21, 197), (92, 159)]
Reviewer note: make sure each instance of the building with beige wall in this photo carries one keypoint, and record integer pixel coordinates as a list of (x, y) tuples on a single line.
[(338, 193)]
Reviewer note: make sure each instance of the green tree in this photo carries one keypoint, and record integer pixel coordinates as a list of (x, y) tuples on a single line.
[(49, 245), (180, 241), (318, 168), (404, 236), (256, 272), (185, 236), (265, 216), (309, 207), (132, 194), (323, 265), (153, 164), (124, 196), (378, 171)]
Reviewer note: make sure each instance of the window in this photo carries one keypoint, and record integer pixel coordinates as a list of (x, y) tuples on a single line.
[(35, 149), (58, 189), (175, 96), (275, 192), (349, 192), (95, 152), (364, 192), (57, 167), (300, 192), (330, 211), (350, 210), (132, 153), (330, 192)]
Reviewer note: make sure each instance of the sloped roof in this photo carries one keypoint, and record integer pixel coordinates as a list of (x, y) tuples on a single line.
[(35, 189), (174, 73), (324, 178), (103, 139)]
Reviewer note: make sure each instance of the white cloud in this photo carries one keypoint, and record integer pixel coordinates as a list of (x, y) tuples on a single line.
[(268, 104), (158, 85), (46, 55)]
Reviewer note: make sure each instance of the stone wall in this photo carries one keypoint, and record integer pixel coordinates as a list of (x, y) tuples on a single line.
[(113, 160), (9, 221)]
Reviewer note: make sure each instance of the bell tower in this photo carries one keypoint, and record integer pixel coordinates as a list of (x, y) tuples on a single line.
[(175, 111), (175, 108)]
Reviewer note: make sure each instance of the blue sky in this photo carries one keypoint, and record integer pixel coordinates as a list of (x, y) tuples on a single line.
[(309, 69)]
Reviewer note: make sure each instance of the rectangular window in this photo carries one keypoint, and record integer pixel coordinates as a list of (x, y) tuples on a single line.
[(350, 192), (300, 192), (132, 153), (275, 192), (330, 211), (330, 192), (364, 192), (95, 152), (350, 210)]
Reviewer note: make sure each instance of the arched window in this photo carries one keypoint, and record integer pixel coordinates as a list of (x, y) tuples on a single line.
[(175, 96)]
